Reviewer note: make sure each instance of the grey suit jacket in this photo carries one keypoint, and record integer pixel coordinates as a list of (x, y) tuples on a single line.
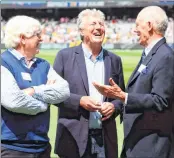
[(72, 129), (148, 115)]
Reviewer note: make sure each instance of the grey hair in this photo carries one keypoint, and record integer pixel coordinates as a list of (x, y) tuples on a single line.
[(88, 12), (19, 25), (157, 16)]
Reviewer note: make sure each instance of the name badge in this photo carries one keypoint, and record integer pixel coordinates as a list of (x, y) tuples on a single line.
[(26, 76), (142, 67)]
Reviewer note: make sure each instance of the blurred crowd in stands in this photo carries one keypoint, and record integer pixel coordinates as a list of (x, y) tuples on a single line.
[(117, 31)]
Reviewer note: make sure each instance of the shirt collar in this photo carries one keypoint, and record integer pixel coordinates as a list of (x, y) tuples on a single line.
[(18, 55), (150, 46), (88, 54)]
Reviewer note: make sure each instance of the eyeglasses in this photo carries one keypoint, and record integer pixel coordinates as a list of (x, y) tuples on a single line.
[(38, 34)]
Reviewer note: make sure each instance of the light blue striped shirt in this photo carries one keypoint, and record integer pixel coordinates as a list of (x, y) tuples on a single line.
[(95, 72), (15, 100)]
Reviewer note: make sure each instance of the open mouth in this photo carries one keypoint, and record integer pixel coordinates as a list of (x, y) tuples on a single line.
[(98, 34), (38, 47)]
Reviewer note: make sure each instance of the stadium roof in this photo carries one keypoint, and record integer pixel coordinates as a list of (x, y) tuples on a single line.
[(82, 3)]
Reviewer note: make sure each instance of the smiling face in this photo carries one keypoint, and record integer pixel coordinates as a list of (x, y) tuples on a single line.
[(31, 44), (151, 24), (93, 30), (143, 28)]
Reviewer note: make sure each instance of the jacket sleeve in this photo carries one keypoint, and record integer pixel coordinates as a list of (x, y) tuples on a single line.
[(117, 103), (73, 102), (162, 90)]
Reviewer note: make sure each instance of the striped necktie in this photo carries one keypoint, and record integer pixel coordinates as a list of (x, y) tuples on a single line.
[(143, 56)]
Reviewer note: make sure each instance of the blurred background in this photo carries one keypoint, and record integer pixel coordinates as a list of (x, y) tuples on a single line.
[(58, 19)]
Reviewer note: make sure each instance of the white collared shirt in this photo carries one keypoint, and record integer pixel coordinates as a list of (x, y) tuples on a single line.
[(151, 45)]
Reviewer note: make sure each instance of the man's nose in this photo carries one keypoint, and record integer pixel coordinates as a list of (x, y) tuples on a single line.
[(135, 30), (40, 38)]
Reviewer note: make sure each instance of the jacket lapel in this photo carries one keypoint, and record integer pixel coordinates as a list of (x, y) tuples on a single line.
[(135, 74), (82, 67), (107, 68)]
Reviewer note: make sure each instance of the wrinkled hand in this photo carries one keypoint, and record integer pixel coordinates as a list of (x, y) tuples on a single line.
[(50, 82), (110, 91), (107, 110), (29, 91), (90, 104)]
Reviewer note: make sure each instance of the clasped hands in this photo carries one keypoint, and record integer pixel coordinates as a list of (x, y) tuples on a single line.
[(90, 104)]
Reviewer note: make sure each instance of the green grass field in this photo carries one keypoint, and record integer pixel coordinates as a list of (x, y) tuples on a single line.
[(129, 59)]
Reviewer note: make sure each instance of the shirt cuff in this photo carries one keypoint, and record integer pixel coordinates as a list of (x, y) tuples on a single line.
[(126, 97), (38, 91)]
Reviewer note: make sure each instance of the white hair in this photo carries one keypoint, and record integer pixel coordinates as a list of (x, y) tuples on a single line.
[(20, 25), (86, 13), (157, 16)]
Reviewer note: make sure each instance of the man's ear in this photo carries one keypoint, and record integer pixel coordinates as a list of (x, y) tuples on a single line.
[(22, 39), (81, 32), (150, 26)]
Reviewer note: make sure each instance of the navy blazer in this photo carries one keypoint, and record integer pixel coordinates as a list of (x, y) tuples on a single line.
[(72, 129), (148, 115)]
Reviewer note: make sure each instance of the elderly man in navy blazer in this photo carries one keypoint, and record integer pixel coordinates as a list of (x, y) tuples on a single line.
[(149, 99), (86, 124)]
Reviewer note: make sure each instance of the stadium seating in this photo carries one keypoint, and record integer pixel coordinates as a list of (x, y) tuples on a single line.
[(117, 31)]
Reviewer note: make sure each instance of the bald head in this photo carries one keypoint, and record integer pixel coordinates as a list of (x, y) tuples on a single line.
[(156, 16)]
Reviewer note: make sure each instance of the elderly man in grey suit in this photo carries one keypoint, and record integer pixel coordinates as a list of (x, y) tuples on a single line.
[(149, 99), (86, 124)]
